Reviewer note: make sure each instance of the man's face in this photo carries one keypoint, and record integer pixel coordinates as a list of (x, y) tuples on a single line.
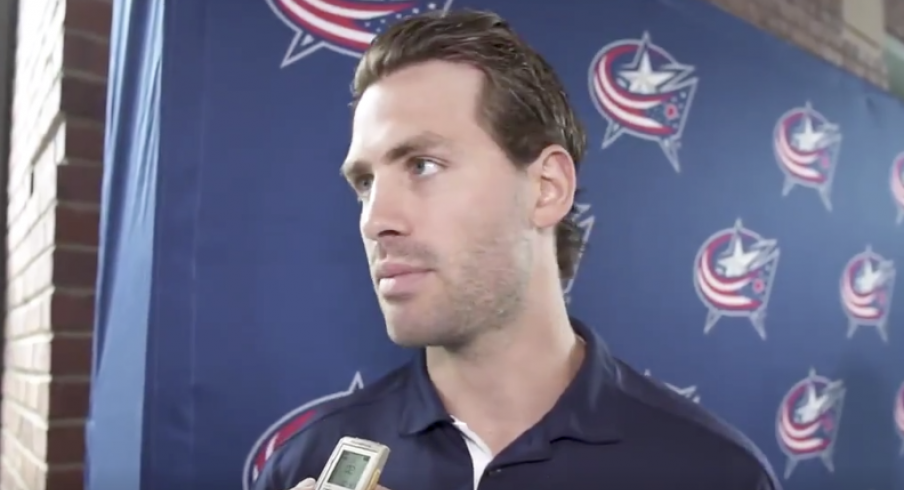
[(444, 215)]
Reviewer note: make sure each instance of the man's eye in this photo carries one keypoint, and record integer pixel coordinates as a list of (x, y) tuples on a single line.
[(424, 166), (363, 183)]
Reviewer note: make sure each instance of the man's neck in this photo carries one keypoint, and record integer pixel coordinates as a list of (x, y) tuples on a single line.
[(511, 377)]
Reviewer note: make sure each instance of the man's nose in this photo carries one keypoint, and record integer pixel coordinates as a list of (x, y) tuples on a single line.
[(386, 210)]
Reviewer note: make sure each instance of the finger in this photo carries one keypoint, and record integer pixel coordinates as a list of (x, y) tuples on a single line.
[(306, 484)]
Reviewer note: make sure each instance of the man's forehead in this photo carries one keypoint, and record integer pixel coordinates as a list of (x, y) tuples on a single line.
[(427, 96), (428, 105)]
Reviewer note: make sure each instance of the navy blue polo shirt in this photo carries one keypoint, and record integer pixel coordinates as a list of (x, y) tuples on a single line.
[(613, 428)]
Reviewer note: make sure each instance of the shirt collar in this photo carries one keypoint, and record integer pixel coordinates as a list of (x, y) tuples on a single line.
[(586, 411)]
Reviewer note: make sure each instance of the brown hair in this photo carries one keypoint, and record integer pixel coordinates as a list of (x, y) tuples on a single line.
[(524, 106)]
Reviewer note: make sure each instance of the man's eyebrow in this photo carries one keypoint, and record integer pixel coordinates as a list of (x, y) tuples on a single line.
[(418, 143)]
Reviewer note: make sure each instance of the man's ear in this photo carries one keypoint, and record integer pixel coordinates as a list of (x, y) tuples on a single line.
[(556, 179)]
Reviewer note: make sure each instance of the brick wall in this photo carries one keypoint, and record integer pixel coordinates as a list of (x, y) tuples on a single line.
[(818, 27), (54, 186), (894, 18)]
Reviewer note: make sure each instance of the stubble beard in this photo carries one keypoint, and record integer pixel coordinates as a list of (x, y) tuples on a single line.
[(486, 293)]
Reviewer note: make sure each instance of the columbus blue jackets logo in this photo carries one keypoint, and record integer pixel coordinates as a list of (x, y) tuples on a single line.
[(897, 185), (641, 90), (867, 287), (808, 421), (806, 148), (899, 415), (733, 275), (689, 392), (584, 220), (343, 26), (284, 428)]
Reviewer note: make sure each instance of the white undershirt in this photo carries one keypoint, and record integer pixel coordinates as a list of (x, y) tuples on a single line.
[(481, 455)]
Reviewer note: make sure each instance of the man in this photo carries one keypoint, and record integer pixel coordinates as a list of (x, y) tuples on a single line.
[(463, 156)]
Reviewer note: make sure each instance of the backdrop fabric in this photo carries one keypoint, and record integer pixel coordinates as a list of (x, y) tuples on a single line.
[(114, 434), (743, 205)]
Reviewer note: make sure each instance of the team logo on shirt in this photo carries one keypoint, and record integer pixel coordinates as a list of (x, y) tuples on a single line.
[(806, 148), (867, 287), (641, 90), (689, 392), (733, 275), (897, 185), (899, 415), (343, 26), (808, 421), (584, 220), (284, 428)]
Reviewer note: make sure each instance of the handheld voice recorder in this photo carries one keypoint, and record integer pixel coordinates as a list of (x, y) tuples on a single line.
[(355, 464)]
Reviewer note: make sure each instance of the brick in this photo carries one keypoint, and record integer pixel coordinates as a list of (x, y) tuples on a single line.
[(29, 355), (66, 444), (31, 280), (79, 183), (85, 142), (55, 172), (74, 268), (72, 312), (76, 226), (67, 478), (68, 399), (816, 26), (71, 355), (89, 16), (9, 477), (27, 391), (85, 54), (25, 428), (894, 18), (48, 398), (83, 98)]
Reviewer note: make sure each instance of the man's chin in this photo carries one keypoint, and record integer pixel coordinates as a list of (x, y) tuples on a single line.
[(423, 331), (421, 338), (407, 328), (406, 337)]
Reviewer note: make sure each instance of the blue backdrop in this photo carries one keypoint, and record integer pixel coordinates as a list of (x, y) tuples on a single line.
[(743, 203)]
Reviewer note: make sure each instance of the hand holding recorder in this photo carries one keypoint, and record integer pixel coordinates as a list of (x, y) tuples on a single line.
[(356, 464)]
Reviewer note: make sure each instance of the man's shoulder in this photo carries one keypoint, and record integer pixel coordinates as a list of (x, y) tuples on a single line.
[(695, 430), (362, 413)]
